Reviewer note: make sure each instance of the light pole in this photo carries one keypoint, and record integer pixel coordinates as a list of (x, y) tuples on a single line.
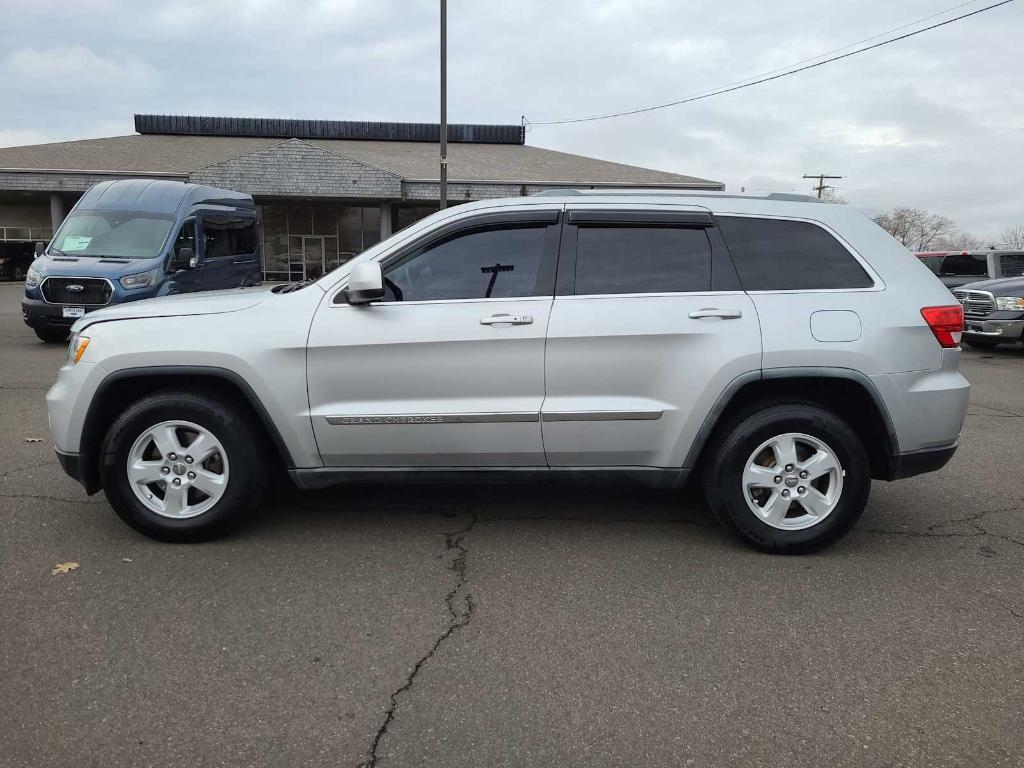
[(444, 105)]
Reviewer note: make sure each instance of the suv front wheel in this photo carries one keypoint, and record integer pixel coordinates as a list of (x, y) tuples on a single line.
[(183, 465), (788, 478)]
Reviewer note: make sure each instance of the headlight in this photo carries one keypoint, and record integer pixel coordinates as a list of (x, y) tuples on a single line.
[(1010, 302), (77, 347), (32, 278), (140, 280)]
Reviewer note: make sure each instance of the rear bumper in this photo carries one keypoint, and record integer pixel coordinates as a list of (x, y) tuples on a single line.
[(919, 462)]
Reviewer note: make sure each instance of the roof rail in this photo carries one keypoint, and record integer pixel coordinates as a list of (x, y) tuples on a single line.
[(662, 192)]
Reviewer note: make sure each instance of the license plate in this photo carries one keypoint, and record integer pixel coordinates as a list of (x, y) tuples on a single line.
[(73, 311)]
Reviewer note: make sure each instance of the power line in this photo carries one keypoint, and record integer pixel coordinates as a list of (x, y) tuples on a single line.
[(729, 89), (844, 47)]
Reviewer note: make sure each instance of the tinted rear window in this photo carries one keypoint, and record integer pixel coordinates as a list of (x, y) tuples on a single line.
[(969, 265), (642, 259), (779, 255)]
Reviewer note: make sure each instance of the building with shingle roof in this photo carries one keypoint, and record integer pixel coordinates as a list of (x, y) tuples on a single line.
[(325, 189)]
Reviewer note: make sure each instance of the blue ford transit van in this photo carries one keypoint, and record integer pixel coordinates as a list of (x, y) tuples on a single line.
[(136, 239)]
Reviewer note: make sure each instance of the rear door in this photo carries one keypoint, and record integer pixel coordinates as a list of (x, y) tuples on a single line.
[(647, 329)]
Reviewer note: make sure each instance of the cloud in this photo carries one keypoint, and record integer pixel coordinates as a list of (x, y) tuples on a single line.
[(935, 121)]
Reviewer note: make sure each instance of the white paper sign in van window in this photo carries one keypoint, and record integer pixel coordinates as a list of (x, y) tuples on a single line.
[(76, 243)]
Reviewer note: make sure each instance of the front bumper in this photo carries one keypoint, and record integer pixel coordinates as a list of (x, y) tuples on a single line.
[(41, 314), (994, 330)]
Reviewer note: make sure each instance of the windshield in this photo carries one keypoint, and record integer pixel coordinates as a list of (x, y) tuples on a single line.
[(121, 234)]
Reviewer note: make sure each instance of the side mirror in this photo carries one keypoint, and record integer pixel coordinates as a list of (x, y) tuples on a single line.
[(39, 249), (185, 258), (365, 283)]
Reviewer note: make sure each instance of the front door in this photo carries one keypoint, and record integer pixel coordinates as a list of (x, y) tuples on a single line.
[(448, 369), (648, 328)]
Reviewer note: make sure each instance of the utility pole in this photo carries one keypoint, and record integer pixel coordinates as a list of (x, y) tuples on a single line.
[(822, 186), (444, 105)]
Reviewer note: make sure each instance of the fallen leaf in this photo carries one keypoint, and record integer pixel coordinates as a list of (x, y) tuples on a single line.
[(33, 439), (64, 568)]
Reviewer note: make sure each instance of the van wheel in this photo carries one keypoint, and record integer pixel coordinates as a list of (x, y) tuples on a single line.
[(788, 478), (183, 466), (52, 335)]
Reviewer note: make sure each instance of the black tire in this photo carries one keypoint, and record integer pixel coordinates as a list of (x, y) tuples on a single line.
[(236, 431), (739, 438), (981, 344), (52, 335)]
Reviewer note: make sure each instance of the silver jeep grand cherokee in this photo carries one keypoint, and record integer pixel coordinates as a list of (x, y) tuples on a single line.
[(785, 352)]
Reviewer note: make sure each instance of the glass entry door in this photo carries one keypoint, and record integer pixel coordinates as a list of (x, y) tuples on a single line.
[(313, 257)]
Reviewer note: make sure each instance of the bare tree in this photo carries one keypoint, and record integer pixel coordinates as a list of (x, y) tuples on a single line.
[(959, 241), (1013, 237), (917, 229), (830, 195)]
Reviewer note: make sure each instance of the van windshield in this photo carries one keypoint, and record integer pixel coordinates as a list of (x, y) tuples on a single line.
[(121, 234)]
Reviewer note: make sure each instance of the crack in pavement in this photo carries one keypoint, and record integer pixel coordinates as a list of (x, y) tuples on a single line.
[(971, 520), (459, 603)]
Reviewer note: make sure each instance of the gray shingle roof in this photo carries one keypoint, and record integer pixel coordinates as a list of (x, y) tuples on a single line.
[(410, 160)]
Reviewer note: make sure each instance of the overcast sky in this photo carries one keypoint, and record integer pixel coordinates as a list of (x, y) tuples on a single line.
[(936, 121)]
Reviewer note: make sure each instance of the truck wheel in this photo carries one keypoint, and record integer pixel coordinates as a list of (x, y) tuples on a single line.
[(980, 344), (788, 478), (183, 465), (52, 335)]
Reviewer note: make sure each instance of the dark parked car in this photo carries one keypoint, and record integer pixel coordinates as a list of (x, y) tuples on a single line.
[(956, 268), (137, 239), (993, 311), (15, 259)]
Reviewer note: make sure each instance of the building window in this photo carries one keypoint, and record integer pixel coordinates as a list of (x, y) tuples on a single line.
[(305, 241)]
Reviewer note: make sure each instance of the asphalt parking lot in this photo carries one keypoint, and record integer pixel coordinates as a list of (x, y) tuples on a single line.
[(494, 626)]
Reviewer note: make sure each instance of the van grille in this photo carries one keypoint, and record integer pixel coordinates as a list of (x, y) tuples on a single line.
[(975, 302), (82, 291)]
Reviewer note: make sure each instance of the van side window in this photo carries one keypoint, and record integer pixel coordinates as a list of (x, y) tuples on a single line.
[(781, 255), (228, 236), (492, 263), (642, 259)]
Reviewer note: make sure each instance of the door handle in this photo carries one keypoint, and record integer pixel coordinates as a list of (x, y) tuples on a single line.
[(507, 320), (722, 314)]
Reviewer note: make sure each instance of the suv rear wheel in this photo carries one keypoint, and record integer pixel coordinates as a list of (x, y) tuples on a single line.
[(789, 478), (183, 466)]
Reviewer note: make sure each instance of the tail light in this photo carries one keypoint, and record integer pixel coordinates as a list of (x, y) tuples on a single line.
[(947, 323)]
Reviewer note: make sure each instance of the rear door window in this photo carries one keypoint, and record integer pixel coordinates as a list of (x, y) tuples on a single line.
[(783, 255), (642, 259), (1012, 264)]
